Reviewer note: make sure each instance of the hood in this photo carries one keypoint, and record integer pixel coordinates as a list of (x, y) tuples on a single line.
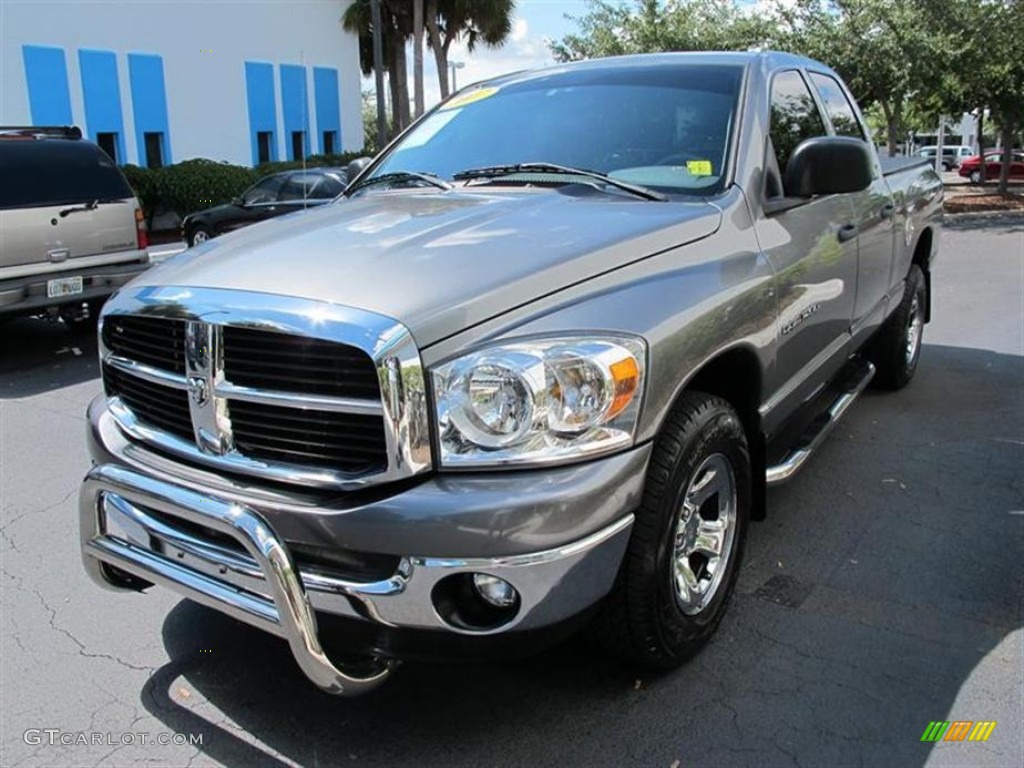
[(439, 262)]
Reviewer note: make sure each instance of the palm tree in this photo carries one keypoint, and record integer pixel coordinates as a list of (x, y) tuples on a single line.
[(396, 27), (487, 22), (478, 21), (417, 55)]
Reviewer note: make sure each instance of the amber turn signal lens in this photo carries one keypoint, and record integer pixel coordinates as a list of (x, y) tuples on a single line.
[(626, 375)]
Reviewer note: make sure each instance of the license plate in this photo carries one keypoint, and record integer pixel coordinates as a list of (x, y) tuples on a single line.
[(63, 286)]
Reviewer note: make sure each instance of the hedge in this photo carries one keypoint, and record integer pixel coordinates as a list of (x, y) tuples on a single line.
[(193, 185)]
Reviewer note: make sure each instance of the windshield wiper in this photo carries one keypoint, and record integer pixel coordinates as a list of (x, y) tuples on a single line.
[(90, 206), (398, 177), (495, 171)]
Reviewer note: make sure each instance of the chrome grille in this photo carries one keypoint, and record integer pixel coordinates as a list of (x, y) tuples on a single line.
[(155, 341), (348, 441), (254, 358), (159, 406), (285, 389)]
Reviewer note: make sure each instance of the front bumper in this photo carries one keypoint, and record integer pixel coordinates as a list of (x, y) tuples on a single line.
[(224, 546)]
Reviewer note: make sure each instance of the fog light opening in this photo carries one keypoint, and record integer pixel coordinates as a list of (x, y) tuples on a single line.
[(475, 602), (495, 591)]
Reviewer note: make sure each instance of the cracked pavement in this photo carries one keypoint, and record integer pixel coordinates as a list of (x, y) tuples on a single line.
[(884, 591)]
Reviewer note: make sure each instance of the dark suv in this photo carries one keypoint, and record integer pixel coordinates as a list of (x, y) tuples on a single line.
[(271, 196), (71, 229)]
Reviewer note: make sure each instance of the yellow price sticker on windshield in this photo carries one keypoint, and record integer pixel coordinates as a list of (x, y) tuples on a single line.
[(699, 167), (468, 98)]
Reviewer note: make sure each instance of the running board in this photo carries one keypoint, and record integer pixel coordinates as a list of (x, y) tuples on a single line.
[(796, 458)]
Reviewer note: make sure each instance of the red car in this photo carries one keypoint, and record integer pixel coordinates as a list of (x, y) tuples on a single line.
[(971, 167)]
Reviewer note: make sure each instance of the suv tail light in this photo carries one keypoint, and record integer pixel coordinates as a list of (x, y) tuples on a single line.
[(141, 236)]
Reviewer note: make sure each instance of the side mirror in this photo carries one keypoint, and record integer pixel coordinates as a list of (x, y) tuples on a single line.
[(829, 165), (356, 167), (239, 200)]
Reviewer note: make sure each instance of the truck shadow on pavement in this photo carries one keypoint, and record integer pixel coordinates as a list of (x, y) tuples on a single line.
[(884, 580), (40, 355)]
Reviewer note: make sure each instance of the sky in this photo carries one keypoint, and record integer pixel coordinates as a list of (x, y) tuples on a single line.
[(535, 21)]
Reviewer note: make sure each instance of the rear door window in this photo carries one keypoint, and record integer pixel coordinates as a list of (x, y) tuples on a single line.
[(39, 173), (840, 111)]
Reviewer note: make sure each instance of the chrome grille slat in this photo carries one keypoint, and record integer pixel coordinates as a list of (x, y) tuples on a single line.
[(301, 401), (278, 388), (147, 372)]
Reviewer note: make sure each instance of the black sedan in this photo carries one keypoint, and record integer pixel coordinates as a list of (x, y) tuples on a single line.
[(271, 196)]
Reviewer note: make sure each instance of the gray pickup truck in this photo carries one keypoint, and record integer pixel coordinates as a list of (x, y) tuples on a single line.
[(535, 371)]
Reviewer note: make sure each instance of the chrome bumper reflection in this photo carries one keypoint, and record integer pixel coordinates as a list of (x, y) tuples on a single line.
[(131, 521)]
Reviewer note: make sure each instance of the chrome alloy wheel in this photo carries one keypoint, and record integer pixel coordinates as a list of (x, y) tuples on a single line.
[(705, 530), (200, 236), (915, 326)]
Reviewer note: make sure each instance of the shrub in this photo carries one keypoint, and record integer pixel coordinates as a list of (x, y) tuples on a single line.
[(197, 184), (145, 182)]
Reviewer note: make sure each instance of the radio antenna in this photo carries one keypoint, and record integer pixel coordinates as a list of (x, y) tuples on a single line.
[(305, 126)]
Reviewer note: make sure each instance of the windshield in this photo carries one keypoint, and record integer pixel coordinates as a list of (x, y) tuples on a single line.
[(664, 127)]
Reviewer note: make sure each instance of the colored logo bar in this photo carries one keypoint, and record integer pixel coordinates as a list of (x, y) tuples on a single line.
[(958, 730)]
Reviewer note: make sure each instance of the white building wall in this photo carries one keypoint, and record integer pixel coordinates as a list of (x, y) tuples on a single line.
[(204, 46)]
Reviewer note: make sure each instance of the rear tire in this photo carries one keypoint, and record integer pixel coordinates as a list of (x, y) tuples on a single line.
[(671, 592), (896, 349), (198, 236)]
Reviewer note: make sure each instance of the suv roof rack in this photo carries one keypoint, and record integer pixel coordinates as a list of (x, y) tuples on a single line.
[(41, 131)]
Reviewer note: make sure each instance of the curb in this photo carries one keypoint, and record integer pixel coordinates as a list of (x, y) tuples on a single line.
[(983, 216)]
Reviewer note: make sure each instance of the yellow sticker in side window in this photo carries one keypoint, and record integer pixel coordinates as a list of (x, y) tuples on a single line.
[(468, 98), (699, 167)]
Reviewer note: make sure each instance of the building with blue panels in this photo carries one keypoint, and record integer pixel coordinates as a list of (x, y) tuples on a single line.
[(153, 84)]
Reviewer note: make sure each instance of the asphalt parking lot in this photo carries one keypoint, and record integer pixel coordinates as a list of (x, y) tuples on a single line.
[(884, 591)]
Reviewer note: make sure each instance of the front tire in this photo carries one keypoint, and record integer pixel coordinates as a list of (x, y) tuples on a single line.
[(684, 553), (896, 349), (975, 177)]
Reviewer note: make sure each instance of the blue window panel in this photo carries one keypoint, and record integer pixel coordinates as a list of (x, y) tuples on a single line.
[(294, 106), (328, 109), (149, 102), (46, 77), (259, 88), (102, 96)]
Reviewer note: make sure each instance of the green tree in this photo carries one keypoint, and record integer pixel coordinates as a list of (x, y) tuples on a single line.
[(647, 26), (988, 63), (478, 22), (888, 53)]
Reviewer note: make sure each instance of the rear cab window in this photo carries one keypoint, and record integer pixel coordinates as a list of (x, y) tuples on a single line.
[(57, 172)]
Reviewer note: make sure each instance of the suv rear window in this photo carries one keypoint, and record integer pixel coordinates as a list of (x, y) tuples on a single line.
[(57, 172)]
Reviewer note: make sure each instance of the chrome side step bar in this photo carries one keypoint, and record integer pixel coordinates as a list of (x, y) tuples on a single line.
[(796, 458)]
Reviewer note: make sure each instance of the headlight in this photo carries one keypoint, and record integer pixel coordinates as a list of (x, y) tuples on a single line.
[(539, 401)]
